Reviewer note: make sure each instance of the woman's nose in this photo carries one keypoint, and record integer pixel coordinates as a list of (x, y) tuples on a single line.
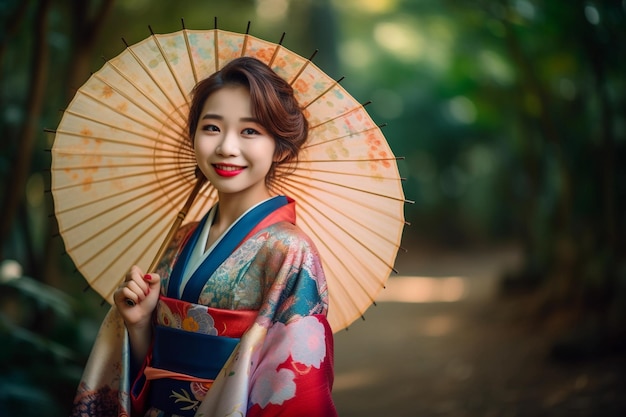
[(229, 145)]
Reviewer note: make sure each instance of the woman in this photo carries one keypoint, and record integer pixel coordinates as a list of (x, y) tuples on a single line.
[(233, 322)]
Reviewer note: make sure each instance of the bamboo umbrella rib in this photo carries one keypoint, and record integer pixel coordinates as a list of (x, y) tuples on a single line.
[(175, 138), (164, 164), (169, 67), (306, 182), (303, 185), (177, 200), (339, 116), (136, 102), (317, 189), (142, 254), (278, 47), (343, 160), (305, 194), (244, 44), (309, 145), (301, 70), (167, 173), (161, 232), (147, 247), (347, 187), (216, 47), (120, 193), (155, 81), (340, 173), (141, 91), (288, 168), (115, 141), (167, 186), (117, 127), (193, 64), (335, 83), (173, 173), (117, 155), (186, 159), (338, 260), (159, 161)]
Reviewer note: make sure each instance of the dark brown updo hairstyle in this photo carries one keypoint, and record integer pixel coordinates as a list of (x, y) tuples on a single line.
[(273, 104)]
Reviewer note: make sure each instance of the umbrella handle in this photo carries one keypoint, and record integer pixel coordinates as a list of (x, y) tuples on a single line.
[(201, 180), (179, 218)]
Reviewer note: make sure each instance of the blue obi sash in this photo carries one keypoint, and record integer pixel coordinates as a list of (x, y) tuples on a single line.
[(194, 354)]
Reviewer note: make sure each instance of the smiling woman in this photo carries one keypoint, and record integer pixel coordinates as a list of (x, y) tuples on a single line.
[(234, 151), (222, 317)]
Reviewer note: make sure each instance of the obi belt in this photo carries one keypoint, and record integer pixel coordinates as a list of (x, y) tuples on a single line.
[(191, 346)]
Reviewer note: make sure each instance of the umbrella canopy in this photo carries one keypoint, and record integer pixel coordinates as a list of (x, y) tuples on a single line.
[(123, 166)]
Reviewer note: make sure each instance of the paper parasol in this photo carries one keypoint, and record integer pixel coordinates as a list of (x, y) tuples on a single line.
[(122, 166)]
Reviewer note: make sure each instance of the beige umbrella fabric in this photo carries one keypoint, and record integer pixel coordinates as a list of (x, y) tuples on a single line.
[(122, 166)]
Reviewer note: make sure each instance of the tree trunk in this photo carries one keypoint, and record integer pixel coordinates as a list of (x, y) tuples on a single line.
[(16, 182)]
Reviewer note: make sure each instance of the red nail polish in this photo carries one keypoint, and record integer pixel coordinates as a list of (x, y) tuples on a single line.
[(147, 277)]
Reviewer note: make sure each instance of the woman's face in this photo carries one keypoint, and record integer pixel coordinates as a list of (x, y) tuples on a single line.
[(232, 149)]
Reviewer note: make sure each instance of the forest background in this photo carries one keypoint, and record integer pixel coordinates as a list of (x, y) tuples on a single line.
[(510, 116)]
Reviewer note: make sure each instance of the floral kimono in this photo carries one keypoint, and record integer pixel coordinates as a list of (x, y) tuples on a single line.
[(239, 331)]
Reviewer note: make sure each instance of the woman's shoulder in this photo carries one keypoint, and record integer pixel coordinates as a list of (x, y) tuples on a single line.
[(288, 233)]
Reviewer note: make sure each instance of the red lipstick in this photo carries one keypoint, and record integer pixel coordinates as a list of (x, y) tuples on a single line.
[(227, 170)]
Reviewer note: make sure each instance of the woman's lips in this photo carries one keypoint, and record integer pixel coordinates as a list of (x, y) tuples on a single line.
[(225, 170)]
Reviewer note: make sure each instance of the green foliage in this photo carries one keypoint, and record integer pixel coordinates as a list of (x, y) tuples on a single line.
[(39, 362)]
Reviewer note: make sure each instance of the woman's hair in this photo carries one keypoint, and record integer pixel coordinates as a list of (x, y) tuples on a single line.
[(273, 104)]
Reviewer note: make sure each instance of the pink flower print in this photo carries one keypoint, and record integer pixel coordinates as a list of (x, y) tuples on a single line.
[(301, 86), (264, 54), (274, 387), (308, 343), (303, 340)]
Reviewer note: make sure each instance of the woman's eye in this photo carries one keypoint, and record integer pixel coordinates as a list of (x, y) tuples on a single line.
[(250, 131), (210, 128)]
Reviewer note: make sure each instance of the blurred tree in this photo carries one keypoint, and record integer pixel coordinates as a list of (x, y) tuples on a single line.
[(43, 345), (25, 140), (511, 116), (564, 122)]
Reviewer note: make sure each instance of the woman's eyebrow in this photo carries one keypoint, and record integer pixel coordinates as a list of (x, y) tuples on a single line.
[(212, 116), (219, 117), (250, 119)]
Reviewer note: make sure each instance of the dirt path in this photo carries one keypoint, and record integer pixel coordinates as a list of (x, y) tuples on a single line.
[(456, 352)]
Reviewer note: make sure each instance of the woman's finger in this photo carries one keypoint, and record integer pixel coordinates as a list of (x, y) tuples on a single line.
[(129, 297)]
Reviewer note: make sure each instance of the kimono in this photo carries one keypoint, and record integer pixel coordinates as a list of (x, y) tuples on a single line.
[(246, 335)]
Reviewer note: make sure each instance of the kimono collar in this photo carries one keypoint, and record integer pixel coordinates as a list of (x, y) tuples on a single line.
[(276, 209)]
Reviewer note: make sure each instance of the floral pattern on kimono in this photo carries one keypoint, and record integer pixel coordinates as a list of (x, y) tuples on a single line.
[(283, 363)]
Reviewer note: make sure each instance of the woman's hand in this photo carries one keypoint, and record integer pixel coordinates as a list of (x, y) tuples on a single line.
[(135, 300), (137, 297)]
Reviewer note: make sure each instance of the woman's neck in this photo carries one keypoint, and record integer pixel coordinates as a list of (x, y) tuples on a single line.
[(229, 210), (232, 207)]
